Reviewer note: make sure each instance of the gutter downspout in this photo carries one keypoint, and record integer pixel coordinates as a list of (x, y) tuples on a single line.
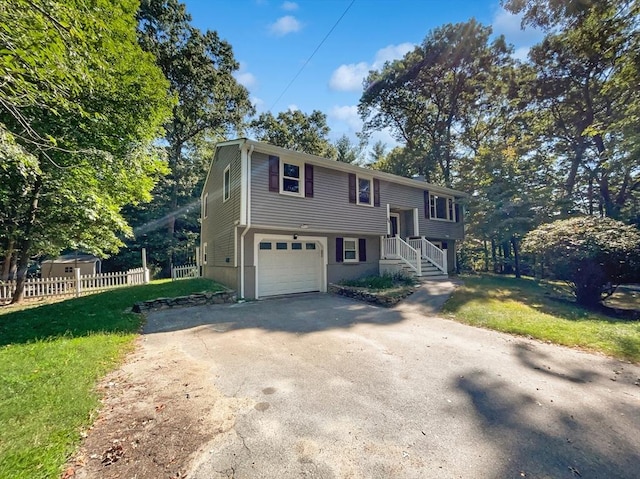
[(246, 230)]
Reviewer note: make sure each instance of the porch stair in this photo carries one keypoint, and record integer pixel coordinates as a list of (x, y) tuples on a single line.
[(429, 271), (415, 257)]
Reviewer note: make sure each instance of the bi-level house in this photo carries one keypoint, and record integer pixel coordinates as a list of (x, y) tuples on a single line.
[(276, 221)]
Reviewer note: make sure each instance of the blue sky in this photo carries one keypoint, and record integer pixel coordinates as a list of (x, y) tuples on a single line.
[(272, 40)]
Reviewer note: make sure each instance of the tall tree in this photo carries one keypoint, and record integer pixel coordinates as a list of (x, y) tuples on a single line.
[(296, 130), (77, 119), (211, 105), (347, 152), (587, 72), (425, 97)]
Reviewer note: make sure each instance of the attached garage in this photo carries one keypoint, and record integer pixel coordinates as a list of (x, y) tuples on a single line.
[(285, 265)]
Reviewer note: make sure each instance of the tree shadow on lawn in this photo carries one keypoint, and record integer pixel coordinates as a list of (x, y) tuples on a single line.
[(563, 439), (96, 313), (544, 298)]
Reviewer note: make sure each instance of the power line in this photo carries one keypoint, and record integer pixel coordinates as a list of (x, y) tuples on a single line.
[(311, 56)]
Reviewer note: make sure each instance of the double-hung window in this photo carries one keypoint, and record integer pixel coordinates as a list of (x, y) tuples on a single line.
[(350, 250), (365, 191), (442, 207), (291, 178)]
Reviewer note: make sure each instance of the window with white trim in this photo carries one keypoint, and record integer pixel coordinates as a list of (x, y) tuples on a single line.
[(291, 178), (204, 253), (350, 250), (364, 191), (442, 207), (205, 203), (226, 184)]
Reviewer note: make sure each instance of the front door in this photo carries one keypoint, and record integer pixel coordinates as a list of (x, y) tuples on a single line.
[(394, 219)]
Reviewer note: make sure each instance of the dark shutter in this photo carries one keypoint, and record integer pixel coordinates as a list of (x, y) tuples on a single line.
[(426, 205), (274, 173), (362, 249), (308, 180), (352, 188), (339, 250), (444, 245), (376, 192), (457, 211)]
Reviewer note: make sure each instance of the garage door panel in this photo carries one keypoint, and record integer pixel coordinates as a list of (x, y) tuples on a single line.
[(285, 271)]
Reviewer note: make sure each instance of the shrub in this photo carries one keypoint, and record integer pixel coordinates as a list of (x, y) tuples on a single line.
[(593, 255)]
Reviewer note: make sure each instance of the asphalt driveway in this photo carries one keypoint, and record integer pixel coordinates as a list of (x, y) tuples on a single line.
[(327, 387)]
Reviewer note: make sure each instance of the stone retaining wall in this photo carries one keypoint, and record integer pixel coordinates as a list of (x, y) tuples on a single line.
[(196, 299), (382, 298)]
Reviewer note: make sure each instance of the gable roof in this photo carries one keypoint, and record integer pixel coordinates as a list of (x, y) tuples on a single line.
[(340, 166)]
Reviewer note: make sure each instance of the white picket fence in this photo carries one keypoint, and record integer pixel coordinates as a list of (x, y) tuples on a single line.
[(75, 285), (185, 271)]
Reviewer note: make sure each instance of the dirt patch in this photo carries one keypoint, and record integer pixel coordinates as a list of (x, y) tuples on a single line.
[(159, 411)]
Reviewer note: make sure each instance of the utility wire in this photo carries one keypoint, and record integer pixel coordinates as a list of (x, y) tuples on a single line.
[(311, 56)]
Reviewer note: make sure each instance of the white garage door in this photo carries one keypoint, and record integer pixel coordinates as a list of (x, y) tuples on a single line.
[(286, 267)]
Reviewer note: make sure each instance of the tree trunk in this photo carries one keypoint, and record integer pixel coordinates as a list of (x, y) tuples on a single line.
[(25, 245), (8, 259), (486, 256), (494, 258), (516, 255), (507, 267)]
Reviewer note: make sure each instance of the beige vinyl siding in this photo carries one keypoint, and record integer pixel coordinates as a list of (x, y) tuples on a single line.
[(401, 196), (218, 228), (328, 210)]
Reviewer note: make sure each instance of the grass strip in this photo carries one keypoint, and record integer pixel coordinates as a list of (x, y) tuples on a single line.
[(529, 308), (51, 357)]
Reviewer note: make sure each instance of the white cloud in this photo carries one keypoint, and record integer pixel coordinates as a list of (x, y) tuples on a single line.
[(258, 103), (289, 6), (244, 77), (390, 53), (285, 25), (350, 77), (347, 114), (293, 107)]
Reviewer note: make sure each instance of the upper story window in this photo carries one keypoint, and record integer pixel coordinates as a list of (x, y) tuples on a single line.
[(291, 178), (226, 183), (205, 205), (364, 190), (442, 207), (365, 193)]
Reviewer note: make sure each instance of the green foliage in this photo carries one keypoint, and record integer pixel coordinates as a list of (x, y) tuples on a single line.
[(425, 98), (378, 283), (211, 105), (295, 130), (591, 253), (77, 122), (347, 152), (532, 309), (53, 355)]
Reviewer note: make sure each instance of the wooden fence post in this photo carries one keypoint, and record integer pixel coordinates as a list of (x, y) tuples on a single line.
[(78, 285), (145, 271)]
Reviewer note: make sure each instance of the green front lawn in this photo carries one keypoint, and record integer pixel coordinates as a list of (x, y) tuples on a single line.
[(528, 308), (51, 357)]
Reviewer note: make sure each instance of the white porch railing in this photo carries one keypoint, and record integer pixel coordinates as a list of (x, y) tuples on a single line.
[(396, 248), (430, 252), (185, 271), (74, 285)]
